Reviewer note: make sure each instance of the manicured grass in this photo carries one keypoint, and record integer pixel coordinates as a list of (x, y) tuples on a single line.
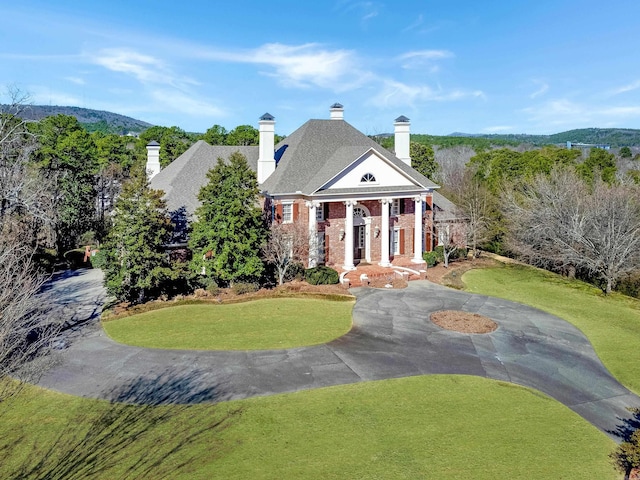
[(431, 427), (612, 323), (271, 323)]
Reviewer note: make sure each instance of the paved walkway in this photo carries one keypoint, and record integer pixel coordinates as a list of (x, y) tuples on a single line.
[(392, 337)]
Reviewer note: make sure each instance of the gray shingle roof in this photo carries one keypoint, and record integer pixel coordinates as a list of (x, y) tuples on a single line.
[(318, 151), (446, 209), (183, 178)]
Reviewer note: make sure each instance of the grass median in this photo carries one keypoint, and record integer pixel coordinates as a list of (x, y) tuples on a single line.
[(611, 323), (272, 323)]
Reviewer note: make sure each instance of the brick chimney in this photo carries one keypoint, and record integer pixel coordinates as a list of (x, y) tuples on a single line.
[(153, 159), (337, 112), (402, 139), (266, 160)]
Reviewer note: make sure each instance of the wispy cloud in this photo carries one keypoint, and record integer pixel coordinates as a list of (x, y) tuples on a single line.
[(41, 95), (398, 93), (145, 68), (366, 10), (423, 58), (415, 24), (541, 90), (626, 88), (303, 66)]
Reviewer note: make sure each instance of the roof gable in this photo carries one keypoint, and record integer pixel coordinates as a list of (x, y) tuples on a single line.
[(369, 170), (319, 150)]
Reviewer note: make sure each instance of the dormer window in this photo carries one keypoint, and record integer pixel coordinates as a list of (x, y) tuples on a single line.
[(368, 178)]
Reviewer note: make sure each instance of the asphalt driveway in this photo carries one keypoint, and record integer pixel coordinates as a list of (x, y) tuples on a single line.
[(391, 337)]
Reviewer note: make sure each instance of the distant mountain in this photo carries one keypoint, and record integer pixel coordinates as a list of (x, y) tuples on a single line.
[(92, 120), (616, 137)]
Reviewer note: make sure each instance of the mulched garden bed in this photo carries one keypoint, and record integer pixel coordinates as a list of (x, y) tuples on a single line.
[(463, 322)]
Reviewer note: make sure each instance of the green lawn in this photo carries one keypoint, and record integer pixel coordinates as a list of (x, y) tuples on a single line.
[(612, 323), (272, 323), (431, 427)]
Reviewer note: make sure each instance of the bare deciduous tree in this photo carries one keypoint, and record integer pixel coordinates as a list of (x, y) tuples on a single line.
[(288, 244), (558, 221), (474, 204), (26, 329), (26, 199)]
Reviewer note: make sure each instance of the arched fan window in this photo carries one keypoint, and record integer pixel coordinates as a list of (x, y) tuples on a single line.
[(368, 178), (359, 212)]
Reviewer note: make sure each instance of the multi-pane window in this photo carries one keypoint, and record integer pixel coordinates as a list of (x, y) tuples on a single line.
[(395, 241), (395, 206), (287, 212), (320, 213), (368, 178)]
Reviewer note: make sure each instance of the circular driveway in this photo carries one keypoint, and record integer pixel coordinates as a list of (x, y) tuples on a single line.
[(391, 337)]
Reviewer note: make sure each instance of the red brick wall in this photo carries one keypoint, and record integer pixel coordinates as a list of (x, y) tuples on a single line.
[(334, 222)]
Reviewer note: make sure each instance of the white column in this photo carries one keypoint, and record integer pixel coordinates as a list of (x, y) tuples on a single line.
[(313, 233), (384, 241), (348, 236), (417, 236)]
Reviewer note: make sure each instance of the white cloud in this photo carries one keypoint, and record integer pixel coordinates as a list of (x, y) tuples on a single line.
[(626, 88), (398, 93), (423, 58), (415, 24), (145, 68), (542, 89), (307, 65)]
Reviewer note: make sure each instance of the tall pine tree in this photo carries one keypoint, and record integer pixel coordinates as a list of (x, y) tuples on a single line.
[(230, 230), (135, 262)]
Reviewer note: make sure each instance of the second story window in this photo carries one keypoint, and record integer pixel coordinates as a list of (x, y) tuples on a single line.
[(287, 213), (368, 178)]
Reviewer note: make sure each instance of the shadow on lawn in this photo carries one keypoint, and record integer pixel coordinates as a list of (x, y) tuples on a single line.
[(141, 433)]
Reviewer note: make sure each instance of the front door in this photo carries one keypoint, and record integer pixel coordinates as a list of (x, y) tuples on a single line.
[(359, 242)]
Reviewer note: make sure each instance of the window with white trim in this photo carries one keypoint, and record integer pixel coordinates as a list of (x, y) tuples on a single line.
[(320, 213), (287, 213), (395, 241), (395, 206)]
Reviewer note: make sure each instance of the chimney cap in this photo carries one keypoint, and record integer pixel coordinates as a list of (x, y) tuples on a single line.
[(268, 117), (402, 119), (336, 105), (153, 143)]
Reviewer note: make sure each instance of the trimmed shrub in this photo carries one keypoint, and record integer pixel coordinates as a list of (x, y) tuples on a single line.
[(240, 288), (322, 275), (431, 258), (296, 271)]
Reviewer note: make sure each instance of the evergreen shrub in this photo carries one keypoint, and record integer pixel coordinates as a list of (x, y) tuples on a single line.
[(322, 275)]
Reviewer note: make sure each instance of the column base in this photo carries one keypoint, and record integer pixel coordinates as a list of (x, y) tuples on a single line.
[(418, 260), (349, 267), (385, 264)]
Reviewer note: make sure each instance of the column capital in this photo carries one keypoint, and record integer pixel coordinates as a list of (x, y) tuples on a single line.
[(350, 203), (419, 198), (312, 203), (385, 200)]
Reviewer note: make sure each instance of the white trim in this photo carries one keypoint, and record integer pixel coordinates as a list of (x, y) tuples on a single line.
[(284, 217), (384, 159)]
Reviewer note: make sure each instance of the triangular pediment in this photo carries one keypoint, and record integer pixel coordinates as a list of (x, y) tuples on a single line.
[(370, 169)]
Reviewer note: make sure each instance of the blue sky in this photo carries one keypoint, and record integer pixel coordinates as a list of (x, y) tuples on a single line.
[(468, 66)]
